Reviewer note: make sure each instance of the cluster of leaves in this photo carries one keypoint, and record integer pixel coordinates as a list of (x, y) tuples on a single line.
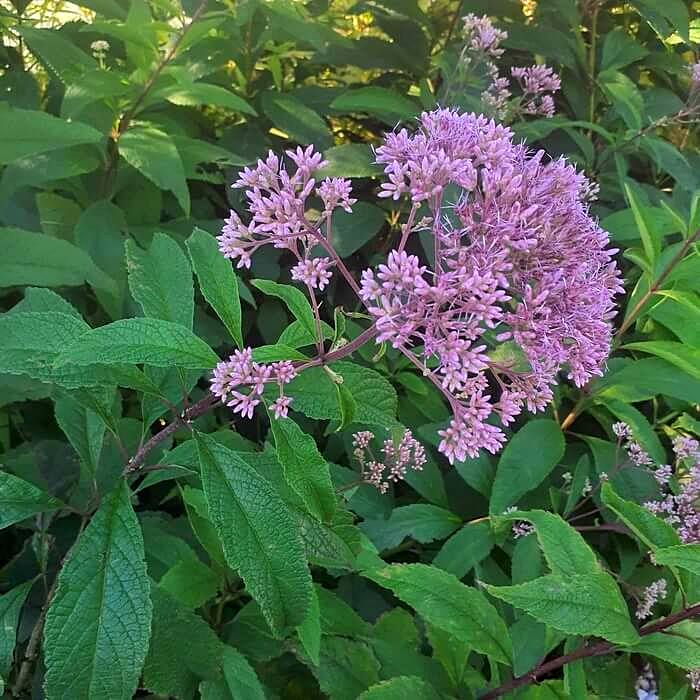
[(148, 547)]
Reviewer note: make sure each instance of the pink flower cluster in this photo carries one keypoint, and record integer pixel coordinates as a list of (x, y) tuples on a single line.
[(239, 383), (277, 204), (652, 594), (482, 37), (519, 260), (396, 459)]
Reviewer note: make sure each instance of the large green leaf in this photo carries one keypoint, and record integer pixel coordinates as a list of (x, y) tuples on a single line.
[(465, 549), (351, 231), (305, 469), (624, 95), (204, 94), (140, 340), (10, 607), (160, 280), (443, 601), (44, 261), (239, 682), (400, 688), (218, 282), (386, 104), (259, 535), (295, 300), (153, 153), (684, 357), (25, 132), (581, 604), (347, 668), (19, 500), (678, 645), (99, 621), (683, 556), (620, 49), (292, 116), (528, 458)]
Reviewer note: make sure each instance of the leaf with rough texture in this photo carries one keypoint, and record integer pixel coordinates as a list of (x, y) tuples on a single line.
[(150, 341), (258, 533), (679, 645), (400, 688), (239, 682), (564, 549), (19, 500), (581, 604), (652, 531), (25, 132), (309, 631), (190, 582), (183, 650), (153, 153), (527, 459), (99, 621), (160, 279), (305, 469), (295, 300), (347, 668), (684, 556), (465, 549), (30, 258), (218, 282), (10, 607), (421, 521), (443, 601)]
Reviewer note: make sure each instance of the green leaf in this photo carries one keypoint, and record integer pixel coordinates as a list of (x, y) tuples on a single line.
[(388, 105), (652, 531), (295, 300), (528, 458), (400, 688), (190, 582), (622, 224), (347, 405), (43, 261), (624, 95), (679, 312), (140, 340), (465, 549), (687, 359), (620, 49), (258, 534), (239, 682), (195, 94), (298, 121), (160, 280), (645, 227), (305, 469), (102, 600), (566, 552), (683, 556), (10, 608), (218, 282), (61, 56), (25, 132), (349, 160), (424, 523), (19, 500), (154, 155), (449, 605), (581, 604), (309, 631), (678, 645), (351, 231), (183, 650), (347, 668)]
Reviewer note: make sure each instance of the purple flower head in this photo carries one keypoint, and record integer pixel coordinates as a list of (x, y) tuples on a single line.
[(315, 272), (482, 37), (335, 192), (518, 261)]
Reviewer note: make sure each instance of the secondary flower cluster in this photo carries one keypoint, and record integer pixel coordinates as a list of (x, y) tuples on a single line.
[(653, 593), (516, 258), (537, 83), (239, 383), (277, 203), (396, 459)]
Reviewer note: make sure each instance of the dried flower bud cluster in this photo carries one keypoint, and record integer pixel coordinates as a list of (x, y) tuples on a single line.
[(652, 594), (239, 383), (396, 458), (519, 260)]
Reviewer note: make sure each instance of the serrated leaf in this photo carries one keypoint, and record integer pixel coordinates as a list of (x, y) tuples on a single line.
[(183, 650), (527, 459), (652, 531), (443, 601), (102, 600), (683, 556), (678, 645), (218, 282), (305, 469), (465, 549), (347, 668), (190, 582), (160, 280), (27, 132), (563, 547), (239, 682), (10, 608), (20, 499), (347, 405), (149, 341), (295, 300), (153, 153), (400, 688), (581, 604), (423, 522), (258, 534), (309, 631)]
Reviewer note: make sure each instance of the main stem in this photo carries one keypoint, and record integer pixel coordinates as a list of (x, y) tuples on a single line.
[(598, 649)]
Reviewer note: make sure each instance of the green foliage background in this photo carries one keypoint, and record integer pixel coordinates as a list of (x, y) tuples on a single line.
[(149, 550)]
